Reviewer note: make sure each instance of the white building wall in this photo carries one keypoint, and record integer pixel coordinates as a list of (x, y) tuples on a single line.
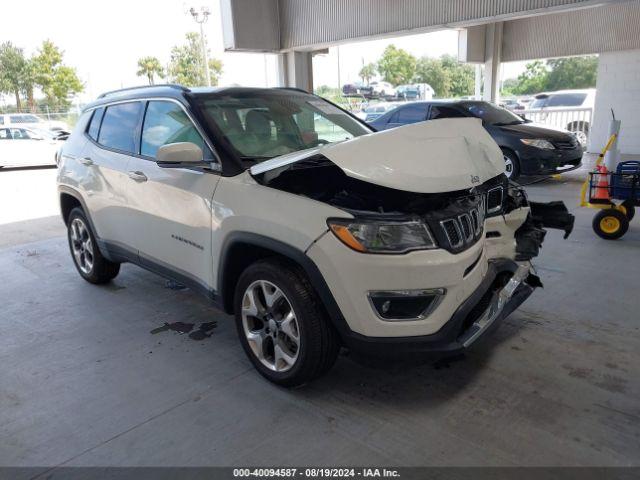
[(618, 87)]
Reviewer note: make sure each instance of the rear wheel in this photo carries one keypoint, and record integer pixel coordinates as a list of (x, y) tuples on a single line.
[(610, 224), (628, 209), (91, 265), (511, 164), (282, 326)]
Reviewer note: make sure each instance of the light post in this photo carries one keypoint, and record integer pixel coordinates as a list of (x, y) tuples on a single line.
[(201, 16)]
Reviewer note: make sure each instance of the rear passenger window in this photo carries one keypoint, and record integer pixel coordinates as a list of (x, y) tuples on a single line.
[(119, 124), (411, 114), (94, 125), (164, 123), (4, 134), (444, 112)]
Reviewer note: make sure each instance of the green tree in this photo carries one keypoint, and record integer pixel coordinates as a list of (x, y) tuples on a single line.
[(186, 65), (367, 72), (533, 79), (150, 67), (57, 81), (397, 66), (12, 71), (431, 71), (462, 76), (572, 72)]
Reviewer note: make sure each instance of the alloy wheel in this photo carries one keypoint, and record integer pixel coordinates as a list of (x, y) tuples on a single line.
[(81, 245), (270, 326), (508, 166)]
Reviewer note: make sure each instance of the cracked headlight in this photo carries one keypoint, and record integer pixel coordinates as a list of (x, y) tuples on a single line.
[(538, 143), (382, 236)]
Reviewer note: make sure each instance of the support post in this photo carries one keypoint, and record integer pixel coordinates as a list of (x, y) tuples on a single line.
[(295, 69), (492, 59)]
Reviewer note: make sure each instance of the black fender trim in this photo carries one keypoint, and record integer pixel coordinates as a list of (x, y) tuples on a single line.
[(295, 255)]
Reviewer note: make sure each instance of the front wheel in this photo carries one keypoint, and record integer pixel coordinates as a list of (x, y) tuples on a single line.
[(91, 265), (282, 326), (610, 224), (511, 164)]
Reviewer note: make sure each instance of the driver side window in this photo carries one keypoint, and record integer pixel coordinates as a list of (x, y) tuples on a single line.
[(166, 122)]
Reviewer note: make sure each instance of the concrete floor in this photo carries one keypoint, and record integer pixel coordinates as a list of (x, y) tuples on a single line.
[(84, 381)]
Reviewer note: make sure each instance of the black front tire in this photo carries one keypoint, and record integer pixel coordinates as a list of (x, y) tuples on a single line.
[(512, 164), (610, 224), (318, 341), (102, 270)]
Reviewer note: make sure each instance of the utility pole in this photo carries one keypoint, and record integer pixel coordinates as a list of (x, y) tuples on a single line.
[(201, 16)]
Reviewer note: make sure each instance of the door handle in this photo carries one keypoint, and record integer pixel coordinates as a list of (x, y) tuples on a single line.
[(138, 176), (86, 161)]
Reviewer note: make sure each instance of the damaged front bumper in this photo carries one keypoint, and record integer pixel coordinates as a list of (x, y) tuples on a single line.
[(505, 286)]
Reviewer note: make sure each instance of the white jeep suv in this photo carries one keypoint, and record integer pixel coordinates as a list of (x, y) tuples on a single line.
[(313, 230)]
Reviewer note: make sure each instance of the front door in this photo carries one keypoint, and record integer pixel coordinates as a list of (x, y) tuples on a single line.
[(171, 207)]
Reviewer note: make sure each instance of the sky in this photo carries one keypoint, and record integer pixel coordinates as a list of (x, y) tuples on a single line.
[(103, 41)]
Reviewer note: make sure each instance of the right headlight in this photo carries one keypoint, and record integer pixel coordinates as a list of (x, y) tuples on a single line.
[(373, 236), (538, 143)]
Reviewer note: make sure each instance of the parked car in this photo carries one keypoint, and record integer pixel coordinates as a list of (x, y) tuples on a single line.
[(375, 110), (30, 120), (293, 215), (528, 149), (561, 100), (357, 89), (511, 104), (408, 92), (383, 90), (27, 147)]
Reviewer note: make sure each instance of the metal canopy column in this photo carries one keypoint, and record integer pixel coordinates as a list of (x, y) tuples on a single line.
[(492, 59), (295, 69)]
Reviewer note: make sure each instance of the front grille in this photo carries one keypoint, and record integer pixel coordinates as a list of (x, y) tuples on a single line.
[(452, 231), (462, 231)]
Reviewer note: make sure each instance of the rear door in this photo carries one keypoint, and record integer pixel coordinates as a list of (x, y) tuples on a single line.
[(171, 207), (113, 132)]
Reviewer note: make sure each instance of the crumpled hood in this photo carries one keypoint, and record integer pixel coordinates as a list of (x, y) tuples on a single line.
[(427, 157)]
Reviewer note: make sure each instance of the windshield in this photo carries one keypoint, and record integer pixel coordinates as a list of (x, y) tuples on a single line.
[(491, 114), (264, 124)]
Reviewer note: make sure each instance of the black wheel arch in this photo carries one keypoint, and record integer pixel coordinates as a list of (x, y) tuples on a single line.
[(241, 249)]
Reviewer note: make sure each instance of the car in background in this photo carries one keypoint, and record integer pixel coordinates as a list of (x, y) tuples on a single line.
[(357, 89), (29, 120), (511, 104), (375, 110), (383, 90), (563, 100), (527, 148), (408, 92), (27, 147)]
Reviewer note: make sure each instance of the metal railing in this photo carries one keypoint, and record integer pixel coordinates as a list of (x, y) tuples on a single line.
[(572, 119)]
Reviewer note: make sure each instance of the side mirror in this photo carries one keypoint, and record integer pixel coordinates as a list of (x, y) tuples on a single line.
[(179, 154)]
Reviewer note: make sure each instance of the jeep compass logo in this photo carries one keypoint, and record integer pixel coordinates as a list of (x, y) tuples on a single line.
[(475, 179)]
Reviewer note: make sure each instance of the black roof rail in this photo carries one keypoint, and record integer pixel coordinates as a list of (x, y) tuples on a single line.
[(168, 85)]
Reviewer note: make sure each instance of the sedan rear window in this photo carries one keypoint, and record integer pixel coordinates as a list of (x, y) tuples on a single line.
[(567, 100)]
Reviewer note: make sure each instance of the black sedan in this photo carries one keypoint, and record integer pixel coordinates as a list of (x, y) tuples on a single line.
[(528, 149)]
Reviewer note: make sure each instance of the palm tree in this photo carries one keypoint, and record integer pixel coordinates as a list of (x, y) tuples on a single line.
[(150, 67), (367, 72)]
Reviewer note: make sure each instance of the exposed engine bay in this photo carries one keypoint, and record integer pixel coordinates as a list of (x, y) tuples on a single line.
[(456, 218)]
